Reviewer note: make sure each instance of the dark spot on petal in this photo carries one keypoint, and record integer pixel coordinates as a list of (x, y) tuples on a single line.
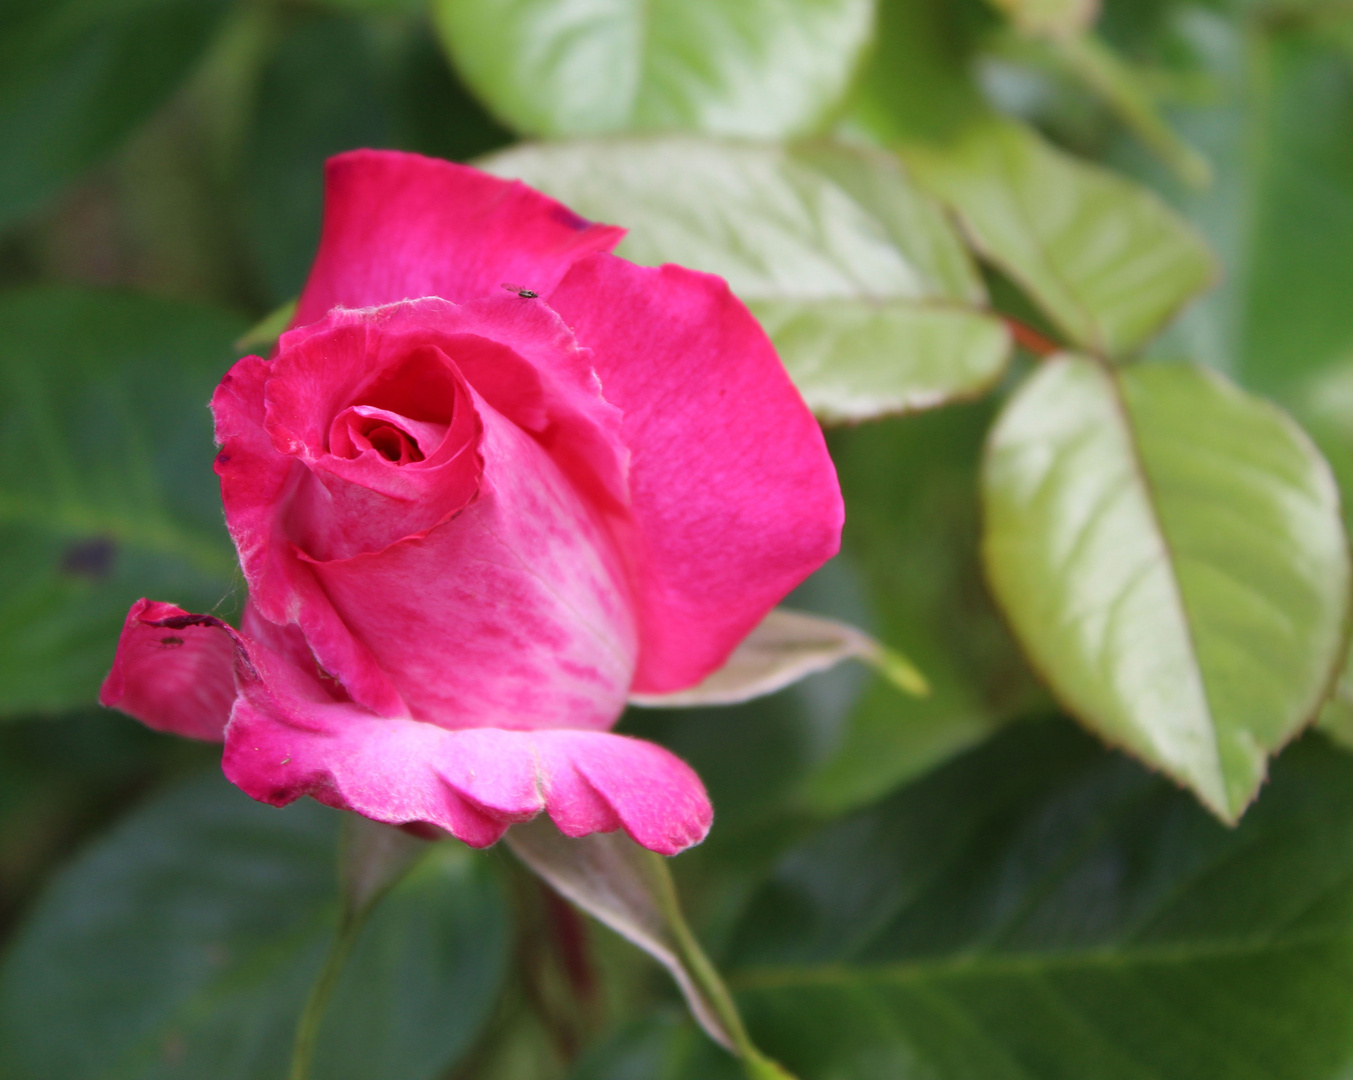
[(222, 458), (91, 559), (565, 216), (182, 622), (170, 642)]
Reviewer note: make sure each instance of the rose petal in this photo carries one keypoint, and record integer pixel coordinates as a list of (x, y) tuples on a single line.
[(654, 795), (255, 481), (172, 675), (398, 226), (473, 783), (515, 614), (733, 495)]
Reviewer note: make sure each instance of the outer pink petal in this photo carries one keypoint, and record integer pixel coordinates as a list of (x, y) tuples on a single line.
[(597, 777), (473, 783), (255, 481), (399, 226), (171, 677), (734, 497), (514, 614)]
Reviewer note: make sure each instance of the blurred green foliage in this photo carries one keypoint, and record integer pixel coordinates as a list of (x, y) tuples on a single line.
[(961, 886)]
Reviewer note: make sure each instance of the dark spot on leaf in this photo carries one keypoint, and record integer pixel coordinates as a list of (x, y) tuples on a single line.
[(174, 1048), (91, 559)]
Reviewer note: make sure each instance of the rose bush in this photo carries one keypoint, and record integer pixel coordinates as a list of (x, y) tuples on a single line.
[(472, 520)]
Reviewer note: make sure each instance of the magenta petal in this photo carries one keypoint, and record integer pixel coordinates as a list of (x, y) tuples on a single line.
[(172, 674), (733, 495), (515, 614), (472, 783), (399, 226), (345, 757), (599, 780), (255, 482)]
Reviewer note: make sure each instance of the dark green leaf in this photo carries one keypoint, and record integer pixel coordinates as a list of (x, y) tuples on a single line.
[(424, 977), (1045, 908), (1171, 554), (912, 535), (182, 945), (1276, 118), (762, 68), (870, 298), (76, 77), (106, 488), (657, 1047), (321, 94)]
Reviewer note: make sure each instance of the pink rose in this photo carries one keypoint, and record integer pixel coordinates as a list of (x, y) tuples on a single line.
[(473, 521)]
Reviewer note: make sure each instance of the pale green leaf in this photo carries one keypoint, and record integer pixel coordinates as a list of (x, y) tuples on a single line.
[(869, 296), (760, 68), (1105, 258), (1170, 553), (1053, 18)]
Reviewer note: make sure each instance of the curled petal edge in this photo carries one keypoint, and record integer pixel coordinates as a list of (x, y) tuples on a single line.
[(288, 736)]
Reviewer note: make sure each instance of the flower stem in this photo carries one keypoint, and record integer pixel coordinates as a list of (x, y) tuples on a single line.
[(307, 1029), (372, 859), (706, 977)]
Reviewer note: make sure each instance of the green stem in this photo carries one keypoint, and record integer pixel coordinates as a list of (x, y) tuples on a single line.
[(372, 859), (307, 1030), (706, 977)]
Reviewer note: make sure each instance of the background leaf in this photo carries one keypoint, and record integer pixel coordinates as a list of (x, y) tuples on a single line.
[(324, 95), (1055, 18), (1106, 259), (1072, 917), (106, 488), (760, 68), (912, 536), (1170, 552), (77, 77), (182, 945), (870, 298)]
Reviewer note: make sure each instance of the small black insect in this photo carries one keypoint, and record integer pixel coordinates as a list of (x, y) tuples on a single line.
[(521, 290)]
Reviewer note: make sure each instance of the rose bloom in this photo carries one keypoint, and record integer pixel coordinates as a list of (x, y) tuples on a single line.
[(474, 520)]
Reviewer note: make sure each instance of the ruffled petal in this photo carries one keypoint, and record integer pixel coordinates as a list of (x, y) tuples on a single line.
[(734, 498), (398, 226), (472, 783), (172, 672), (599, 780)]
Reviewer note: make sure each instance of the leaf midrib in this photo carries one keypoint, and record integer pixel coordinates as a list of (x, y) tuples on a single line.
[(791, 977)]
